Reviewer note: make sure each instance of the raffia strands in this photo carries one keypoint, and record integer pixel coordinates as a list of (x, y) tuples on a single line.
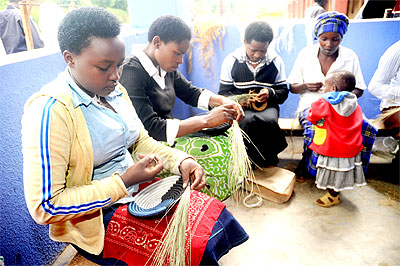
[(244, 99), (241, 98), (171, 250), (206, 33), (240, 164)]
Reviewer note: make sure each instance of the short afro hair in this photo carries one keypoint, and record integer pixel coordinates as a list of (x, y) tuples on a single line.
[(169, 29), (81, 25), (259, 31), (344, 80)]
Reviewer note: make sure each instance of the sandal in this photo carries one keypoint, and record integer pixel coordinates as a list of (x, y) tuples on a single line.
[(328, 200)]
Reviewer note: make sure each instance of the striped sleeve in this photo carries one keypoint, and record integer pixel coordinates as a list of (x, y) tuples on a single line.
[(226, 80), (383, 83), (49, 157)]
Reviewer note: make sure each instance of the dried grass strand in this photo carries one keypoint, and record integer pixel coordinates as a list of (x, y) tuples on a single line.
[(171, 250), (240, 165)]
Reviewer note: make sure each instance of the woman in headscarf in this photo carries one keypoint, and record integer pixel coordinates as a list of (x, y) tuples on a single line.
[(314, 63)]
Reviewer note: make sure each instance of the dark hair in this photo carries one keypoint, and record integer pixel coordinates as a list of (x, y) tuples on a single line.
[(169, 28), (344, 80), (81, 25), (259, 31)]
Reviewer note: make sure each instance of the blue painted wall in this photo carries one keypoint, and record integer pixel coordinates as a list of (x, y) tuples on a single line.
[(143, 13), (22, 242), (368, 38)]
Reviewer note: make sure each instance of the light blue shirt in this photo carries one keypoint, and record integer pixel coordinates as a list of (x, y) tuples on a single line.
[(111, 133)]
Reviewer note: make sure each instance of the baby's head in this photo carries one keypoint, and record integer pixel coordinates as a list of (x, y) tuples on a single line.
[(340, 81)]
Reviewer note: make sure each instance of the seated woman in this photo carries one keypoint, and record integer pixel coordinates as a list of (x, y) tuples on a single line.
[(251, 69), (314, 63), (79, 174), (385, 85), (153, 82)]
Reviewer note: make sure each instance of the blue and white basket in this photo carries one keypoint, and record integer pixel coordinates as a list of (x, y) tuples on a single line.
[(157, 198)]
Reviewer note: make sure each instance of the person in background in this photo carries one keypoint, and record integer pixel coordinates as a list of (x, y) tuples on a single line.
[(153, 82), (253, 69), (12, 32), (2, 50), (385, 85), (315, 9), (85, 152), (337, 141), (314, 63)]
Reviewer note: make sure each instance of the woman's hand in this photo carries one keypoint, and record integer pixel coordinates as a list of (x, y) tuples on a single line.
[(300, 87), (236, 106), (219, 100), (142, 171), (190, 169), (262, 96), (314, 86), (220, 115)]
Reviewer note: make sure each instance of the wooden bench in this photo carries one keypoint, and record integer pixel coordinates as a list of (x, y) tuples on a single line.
[(294, 135)]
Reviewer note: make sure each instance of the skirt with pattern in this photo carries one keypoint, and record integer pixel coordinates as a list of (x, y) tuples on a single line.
[(339, 173), (212, 153)]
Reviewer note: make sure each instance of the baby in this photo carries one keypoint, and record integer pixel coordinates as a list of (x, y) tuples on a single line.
[(338, 141)]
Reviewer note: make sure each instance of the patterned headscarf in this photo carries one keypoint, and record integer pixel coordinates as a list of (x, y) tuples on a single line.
[(331, 21)]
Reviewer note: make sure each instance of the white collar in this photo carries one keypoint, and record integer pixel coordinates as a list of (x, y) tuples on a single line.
[(148, 65), (151, 69)]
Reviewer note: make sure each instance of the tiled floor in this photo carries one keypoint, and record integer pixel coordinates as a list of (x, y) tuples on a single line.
[(363, 230)]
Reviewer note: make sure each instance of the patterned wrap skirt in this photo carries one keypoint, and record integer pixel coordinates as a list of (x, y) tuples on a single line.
[(213, 154)]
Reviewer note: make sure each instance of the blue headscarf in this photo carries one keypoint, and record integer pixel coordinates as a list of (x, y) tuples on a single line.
[(331, 21)]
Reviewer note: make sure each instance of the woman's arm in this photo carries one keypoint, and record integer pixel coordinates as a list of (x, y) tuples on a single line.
[(173, 159), (136, 81), (360, 83), (216, 117), (226, 86), (218, 100), (358, 92), (300, 69), (185, 91), (57, 178), (297, 88), (381, 84), (278, 93)]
